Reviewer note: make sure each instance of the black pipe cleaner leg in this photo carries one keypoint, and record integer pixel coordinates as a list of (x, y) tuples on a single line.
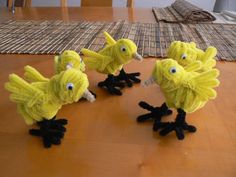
[(156, 113), (51, 131), (128, 78), (112, 85), (178, 126)]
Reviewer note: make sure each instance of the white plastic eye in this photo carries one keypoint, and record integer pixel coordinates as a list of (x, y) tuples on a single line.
[(184, 56), (123, 49), (173, 70), (70, 86)]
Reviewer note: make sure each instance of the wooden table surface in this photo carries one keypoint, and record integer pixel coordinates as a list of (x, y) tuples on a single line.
[(103, 138)]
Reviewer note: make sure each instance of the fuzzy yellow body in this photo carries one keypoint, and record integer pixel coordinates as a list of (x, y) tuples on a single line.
[(42, 98), (192, 58), (188, 91), (68, 59), (110, 59)]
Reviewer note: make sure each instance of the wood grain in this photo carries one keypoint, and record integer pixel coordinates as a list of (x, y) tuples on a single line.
[(19, 3), (63, 3), (76, 13), (103, 138), (130, 3), (99, 3)]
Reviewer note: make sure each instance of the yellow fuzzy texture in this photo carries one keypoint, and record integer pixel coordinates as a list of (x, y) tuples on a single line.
[(68, 58), (182, 89), (42, 98), (192, 58), (32, 75), (112, 57)]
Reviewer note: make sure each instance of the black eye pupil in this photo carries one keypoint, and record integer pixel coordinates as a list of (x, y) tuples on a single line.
[(70, 87), (123, 49), (173, 70), (183, 56)]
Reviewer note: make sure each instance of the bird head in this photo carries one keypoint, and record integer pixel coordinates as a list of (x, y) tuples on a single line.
[(126, 50), (183, 53), (69, 86), (168, 72), (69, 59)]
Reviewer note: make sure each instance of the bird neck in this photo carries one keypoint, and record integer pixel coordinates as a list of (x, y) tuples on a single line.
[(118, 58), (169, 85), (53, 91)]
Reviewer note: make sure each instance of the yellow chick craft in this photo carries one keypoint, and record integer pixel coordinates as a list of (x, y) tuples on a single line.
[(39, 101), (110, 60), (183, 90), (192, 58), (68, 59)]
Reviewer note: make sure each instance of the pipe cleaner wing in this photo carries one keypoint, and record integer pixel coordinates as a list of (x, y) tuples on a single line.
[(95, 60), (32, 75), (208, 58), (204, 83), (23, 92), (194, 66)]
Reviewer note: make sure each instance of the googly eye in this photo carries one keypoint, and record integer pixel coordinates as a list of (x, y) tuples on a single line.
[(184, 56), (123, 49), (70, 86), (173, 70)]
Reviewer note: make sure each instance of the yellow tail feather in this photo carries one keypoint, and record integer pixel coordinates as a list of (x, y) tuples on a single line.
[(32, 75), (109, 40), (205, 82), (23, 92)]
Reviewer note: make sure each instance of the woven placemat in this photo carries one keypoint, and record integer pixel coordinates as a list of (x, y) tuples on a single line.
[(152, 39), (221, 36), (184, 12), (53, 37)]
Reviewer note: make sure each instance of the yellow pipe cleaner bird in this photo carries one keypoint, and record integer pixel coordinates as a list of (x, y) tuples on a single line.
[(39, 101), (183, 90), (68, 59), (111, 59), (192, 58)]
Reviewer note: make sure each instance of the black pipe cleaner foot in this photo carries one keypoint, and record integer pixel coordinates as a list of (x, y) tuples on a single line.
[(112, 85), (156, 113), (178, 126), (128, 78), (52, 131)]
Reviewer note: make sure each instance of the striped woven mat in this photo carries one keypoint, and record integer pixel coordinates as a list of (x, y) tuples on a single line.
[(182, 11), (152, 39)]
